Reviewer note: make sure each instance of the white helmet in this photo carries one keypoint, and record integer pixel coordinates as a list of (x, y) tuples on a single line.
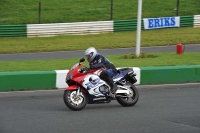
[(90, 54)]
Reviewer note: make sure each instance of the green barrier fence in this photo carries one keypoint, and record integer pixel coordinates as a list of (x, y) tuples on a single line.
[(118, 26), (40, 80), (13, 30), (131, 25), (198, 73), (126, 25), (30, 80), (170, 74), (186, 21)]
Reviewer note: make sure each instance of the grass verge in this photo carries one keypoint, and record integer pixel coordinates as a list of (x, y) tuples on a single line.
[(162, 59), (160, 37)]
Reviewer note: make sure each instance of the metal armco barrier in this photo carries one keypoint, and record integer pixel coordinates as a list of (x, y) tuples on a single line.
[(187, 21), (80, 28), (196, 21), (13, 30)]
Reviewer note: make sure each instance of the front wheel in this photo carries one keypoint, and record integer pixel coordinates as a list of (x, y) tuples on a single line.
[(73, 101), (132, 100)]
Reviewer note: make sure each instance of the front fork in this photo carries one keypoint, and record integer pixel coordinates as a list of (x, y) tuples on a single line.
[(78, 90)]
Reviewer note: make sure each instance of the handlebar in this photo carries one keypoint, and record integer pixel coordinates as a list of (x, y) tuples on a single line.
[(86, 69)]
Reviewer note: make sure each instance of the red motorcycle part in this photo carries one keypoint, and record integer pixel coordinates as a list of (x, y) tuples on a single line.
[(74, 87)]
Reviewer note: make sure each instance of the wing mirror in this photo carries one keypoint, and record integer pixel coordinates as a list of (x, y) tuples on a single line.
[(82, 60)]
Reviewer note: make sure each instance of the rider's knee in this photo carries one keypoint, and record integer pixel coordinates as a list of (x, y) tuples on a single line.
[(103, 74)]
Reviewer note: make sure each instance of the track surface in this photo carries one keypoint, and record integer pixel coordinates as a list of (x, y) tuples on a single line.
[(160, 109), (80, 53)]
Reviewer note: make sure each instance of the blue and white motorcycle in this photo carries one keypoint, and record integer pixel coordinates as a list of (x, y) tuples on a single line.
[(85, 87)]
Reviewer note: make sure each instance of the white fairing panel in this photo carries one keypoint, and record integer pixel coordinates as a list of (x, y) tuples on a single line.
[(93, 85)]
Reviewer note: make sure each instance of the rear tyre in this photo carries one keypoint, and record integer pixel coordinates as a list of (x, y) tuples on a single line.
[(74, 102), (130, 101)]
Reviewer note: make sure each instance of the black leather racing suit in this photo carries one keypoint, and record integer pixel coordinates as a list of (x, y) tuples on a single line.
[(107, 74)]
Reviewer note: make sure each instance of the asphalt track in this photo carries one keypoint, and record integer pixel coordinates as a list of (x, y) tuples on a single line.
[(80, 53), (160, 109)]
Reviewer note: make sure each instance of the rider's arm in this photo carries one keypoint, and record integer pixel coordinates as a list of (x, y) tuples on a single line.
[(99, 63)]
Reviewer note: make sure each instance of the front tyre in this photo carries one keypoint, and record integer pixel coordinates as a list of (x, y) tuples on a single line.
[(73, 101), (132, 100)]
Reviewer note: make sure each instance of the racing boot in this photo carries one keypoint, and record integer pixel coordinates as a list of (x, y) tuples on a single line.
[(113, 87), (106, 77)]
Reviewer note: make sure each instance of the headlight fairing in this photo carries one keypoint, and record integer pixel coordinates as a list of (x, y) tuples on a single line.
[(68, 78)]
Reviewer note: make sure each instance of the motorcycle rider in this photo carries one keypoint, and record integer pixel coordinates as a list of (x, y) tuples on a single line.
[(96, 61)]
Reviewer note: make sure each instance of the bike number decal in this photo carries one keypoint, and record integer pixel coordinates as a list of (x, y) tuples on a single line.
[(94, 83)]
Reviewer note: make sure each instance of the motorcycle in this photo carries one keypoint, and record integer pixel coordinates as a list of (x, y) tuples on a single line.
[(85, 87)]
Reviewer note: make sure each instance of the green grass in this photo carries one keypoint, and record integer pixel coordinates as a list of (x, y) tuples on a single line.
[(163, 59), (59, 11), (161, 37)]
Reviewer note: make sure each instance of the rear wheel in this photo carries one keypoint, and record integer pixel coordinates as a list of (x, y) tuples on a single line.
[(73, 101), (132, 100)]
